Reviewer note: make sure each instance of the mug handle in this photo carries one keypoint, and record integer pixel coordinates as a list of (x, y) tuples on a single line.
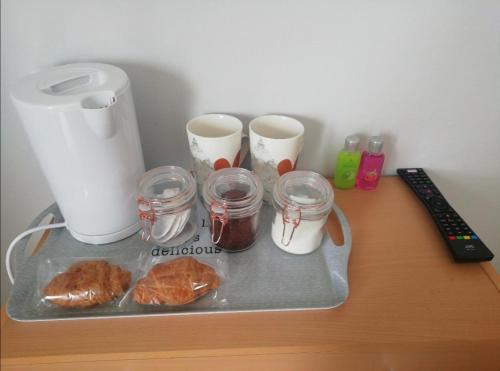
[(245, 147)]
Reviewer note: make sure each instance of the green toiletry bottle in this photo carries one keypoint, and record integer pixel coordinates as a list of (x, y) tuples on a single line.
[(348, 163)]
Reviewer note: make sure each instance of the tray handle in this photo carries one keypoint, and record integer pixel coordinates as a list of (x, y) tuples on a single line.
[(337, 256), (344, 227), (20, 253)]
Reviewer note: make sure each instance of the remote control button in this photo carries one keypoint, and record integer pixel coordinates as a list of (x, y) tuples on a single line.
[(438, 204), (474, 237), (466, 237), (451, 238), (460, 238), (426, 192)]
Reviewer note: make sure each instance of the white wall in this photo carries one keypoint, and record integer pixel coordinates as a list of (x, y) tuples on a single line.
[(426, 74)]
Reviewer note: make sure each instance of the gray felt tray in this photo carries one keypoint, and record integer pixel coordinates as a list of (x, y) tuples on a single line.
[(262, 278)]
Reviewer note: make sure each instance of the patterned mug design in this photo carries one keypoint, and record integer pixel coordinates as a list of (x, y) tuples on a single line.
[(285, 166), (223, 163)]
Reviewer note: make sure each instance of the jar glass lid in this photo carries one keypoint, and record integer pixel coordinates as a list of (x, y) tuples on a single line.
[(306, 191), (167, 189), (236, 190)]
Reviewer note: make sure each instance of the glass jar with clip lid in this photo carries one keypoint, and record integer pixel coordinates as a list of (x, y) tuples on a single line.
[(166, 199), (233, 198), (302, 200)]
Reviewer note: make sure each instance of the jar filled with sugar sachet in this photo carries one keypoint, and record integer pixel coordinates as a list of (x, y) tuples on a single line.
[(302, 200), (166, 200)]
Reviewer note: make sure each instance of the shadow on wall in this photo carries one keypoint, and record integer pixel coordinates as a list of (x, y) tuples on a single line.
[(162, 102), (319, 152), (390, 141)]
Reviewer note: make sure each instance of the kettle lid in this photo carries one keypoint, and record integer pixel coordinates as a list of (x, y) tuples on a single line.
[(69, 85)]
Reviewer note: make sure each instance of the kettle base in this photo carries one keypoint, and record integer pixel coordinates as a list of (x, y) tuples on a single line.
[(106, 238)]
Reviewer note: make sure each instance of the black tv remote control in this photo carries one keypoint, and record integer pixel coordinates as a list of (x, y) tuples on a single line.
[(463, 243)]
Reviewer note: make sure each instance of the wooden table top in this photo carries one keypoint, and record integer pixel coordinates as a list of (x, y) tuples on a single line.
[(410, 307)]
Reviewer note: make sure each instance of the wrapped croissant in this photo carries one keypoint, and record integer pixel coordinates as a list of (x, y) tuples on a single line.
[(176, 282), (86, 284)]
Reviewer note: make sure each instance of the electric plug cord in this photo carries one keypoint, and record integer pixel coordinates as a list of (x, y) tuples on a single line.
[(20, 237)]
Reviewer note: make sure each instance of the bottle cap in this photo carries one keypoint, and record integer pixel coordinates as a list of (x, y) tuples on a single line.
[(375, 144), (351, 143)]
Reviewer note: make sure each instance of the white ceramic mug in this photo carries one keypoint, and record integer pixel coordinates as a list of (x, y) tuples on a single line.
[(275, 144), (215, 141)]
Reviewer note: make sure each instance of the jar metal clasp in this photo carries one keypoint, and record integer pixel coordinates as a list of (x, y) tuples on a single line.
[(218, 213), (147, 217), (291, 215)]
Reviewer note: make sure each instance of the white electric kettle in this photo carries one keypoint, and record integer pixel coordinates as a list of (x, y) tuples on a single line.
[(81, 123)]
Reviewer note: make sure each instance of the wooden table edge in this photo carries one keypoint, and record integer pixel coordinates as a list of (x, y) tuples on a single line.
[(346, 348)]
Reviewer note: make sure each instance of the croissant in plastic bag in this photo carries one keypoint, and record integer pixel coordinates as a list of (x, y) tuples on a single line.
[(87, 283), (176, 282)]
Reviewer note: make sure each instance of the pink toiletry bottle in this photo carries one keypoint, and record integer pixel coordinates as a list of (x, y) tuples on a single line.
[(370, 168)]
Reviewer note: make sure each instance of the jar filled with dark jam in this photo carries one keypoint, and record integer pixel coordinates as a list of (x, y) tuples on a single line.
[(233, 198)]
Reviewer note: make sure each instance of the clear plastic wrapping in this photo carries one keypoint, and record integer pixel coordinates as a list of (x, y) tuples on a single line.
[(81, 283), (176, 282)]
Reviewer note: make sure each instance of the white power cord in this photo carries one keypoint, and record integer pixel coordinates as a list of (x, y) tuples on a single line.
[(20, 237)]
